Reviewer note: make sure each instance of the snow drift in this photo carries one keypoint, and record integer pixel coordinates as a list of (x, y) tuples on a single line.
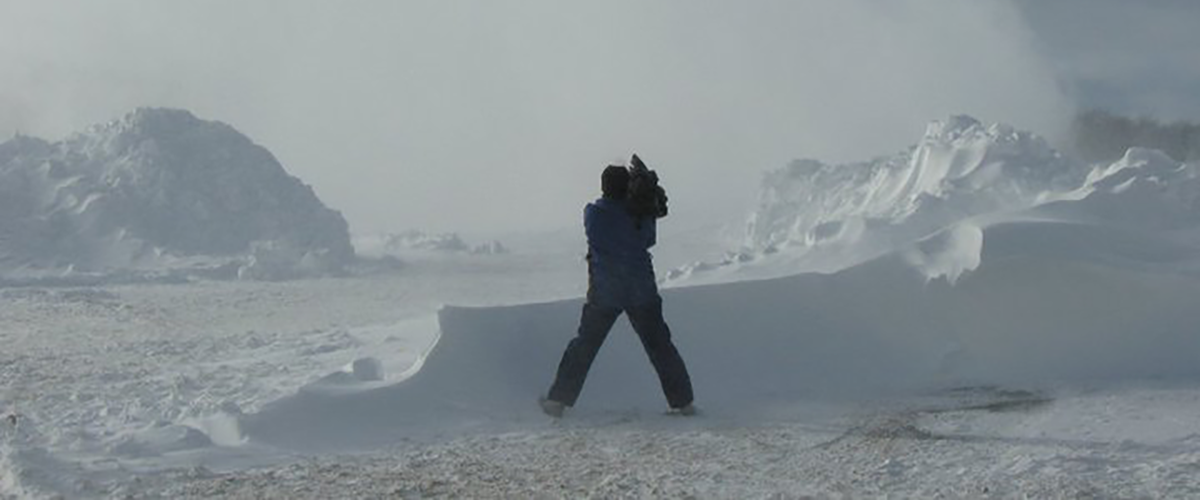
[(992, 260), (159, 188), (960, 167), (822, 217), (1029, 314)]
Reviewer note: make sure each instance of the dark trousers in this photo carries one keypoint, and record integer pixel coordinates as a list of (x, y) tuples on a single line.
[(594, 325)]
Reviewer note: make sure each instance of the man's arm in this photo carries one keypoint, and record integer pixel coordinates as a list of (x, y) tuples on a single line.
[(589, 223), (593, 227)]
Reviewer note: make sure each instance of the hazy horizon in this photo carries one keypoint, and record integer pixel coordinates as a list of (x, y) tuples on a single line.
[(484, 117)]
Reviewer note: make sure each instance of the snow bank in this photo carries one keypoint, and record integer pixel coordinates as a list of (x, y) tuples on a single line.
[(159, 189), (996, 303), (995, 262)]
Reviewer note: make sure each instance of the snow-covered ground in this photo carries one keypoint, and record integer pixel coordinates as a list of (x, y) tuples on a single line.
[(104, 383), (224, 390), (1117, 443), (989, 329)]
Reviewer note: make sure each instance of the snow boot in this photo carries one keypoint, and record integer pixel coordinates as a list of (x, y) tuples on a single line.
[(551, 407), (687, 410)]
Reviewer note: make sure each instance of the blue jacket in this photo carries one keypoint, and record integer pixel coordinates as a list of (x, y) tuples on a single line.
[(620, 273)]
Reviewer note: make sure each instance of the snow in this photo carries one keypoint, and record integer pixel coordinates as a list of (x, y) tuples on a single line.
[(948, 254), (156, 192), (816, 217), (421, 244), (115, 382), (976, 317)]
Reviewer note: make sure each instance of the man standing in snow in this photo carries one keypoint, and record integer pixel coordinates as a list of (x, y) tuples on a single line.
[(620, 279)]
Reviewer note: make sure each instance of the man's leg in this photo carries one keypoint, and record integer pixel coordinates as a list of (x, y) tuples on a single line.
[(594, 324), (648, 322)]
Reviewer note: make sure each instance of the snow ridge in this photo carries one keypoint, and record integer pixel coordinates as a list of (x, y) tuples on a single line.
[(960, 167), (1145, 189), (817, 217)]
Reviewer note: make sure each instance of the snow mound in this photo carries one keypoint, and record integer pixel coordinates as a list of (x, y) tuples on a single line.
[(960, 168), (159, 188), (1145, 189), (815, 217), (415, 242)]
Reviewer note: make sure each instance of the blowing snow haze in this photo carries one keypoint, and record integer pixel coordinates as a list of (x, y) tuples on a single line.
[(431, 115)]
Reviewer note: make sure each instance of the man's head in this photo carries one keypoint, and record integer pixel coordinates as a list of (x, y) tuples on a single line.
[(614, 182)]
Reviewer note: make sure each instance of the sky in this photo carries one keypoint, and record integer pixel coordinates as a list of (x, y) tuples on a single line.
[(1139, 58), (486, 117)]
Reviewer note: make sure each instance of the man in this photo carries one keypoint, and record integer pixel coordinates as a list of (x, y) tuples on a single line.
[(620, 279)]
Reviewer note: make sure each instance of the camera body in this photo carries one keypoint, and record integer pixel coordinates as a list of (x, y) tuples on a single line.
[(646, 198)]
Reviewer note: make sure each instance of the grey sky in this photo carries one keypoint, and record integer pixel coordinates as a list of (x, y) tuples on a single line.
[(1134, 57), (489, 116)]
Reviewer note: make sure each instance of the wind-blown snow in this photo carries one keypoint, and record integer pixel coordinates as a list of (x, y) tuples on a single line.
[(948, 254)]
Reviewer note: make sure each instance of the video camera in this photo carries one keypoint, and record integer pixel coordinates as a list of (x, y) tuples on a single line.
[(645, 197)]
